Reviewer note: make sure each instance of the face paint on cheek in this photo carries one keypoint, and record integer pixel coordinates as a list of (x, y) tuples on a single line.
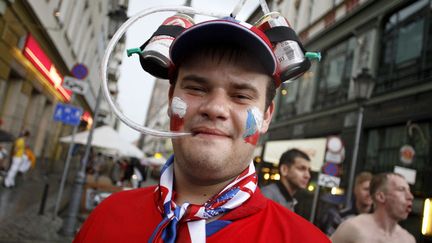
[(178, 111), (254, 122)]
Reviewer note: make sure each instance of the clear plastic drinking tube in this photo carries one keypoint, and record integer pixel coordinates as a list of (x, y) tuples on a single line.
[(120, 32), (104, 65)]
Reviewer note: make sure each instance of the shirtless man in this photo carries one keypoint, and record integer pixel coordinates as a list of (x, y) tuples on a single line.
[(393, 201)]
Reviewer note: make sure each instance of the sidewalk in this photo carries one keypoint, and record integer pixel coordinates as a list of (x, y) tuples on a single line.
[(19, 210)]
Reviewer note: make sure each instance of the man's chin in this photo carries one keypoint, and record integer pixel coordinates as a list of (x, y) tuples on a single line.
[(303, 186)]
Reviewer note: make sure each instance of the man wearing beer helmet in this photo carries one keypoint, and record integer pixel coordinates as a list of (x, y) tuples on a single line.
[(223, 76)]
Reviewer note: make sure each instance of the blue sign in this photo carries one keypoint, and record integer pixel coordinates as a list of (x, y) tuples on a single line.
[(67, 114), (79, 71), (331, 169)]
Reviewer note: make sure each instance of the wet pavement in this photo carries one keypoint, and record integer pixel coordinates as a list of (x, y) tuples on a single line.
[(20, 220), (20, 206)]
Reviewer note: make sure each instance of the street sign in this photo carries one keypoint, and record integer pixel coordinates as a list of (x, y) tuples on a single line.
[(79, 71), (407, 154), (409, 174), (67, 114), (335, 150), (336, 158), (76, 85), (334, 144), (328, 180), (331, 169)]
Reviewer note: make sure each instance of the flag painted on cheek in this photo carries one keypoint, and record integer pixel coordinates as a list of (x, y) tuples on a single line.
[(178, 111), (253, 126)]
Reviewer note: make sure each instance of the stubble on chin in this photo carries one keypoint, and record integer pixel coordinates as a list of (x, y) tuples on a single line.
[(201, 164), (208, 160), (205, 167)]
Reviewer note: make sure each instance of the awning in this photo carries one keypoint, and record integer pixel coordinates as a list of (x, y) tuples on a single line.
[(107, 138)]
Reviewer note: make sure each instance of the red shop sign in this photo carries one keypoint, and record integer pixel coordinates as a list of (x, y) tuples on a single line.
[(34, 53)]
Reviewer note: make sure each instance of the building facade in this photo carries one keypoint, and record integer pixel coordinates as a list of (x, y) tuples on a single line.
[(41, 41), (157, 118), (390, 39)]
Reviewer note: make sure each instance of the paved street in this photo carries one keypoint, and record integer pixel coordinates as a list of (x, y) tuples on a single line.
[(19, 209)]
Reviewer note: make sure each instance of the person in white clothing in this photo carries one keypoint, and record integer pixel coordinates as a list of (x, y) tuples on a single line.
[(18, 157)]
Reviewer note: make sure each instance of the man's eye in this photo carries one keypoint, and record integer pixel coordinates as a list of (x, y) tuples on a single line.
[(242, 97), (195, 88)]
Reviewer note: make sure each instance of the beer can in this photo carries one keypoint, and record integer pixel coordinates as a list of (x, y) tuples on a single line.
[(288, 53), (155, 56)]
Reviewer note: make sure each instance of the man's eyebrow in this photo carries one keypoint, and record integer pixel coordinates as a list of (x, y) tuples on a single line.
[(234, 85), (196, 78), (245, 86)]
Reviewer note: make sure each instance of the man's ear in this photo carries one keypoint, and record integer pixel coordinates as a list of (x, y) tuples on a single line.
[(283, 170), (268, 114), (380, 196)]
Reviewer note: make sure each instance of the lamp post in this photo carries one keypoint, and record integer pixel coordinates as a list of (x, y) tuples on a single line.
[(69, 224), (363, 87)]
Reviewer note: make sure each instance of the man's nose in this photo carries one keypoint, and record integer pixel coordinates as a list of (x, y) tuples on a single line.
[(215, 106), (410, 196), (308, 175)]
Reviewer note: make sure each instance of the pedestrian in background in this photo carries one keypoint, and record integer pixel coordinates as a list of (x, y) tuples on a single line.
[(362, 204), (362, 199), (98, 166), (18, 157), (117, 172), (3, 158), (294, 170), (392, 201), (28, 160)]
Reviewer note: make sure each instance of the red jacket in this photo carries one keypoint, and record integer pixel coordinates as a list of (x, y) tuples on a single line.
[(132, 216)]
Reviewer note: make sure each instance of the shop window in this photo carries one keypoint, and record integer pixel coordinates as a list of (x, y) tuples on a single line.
[(383, 152), (404, 58)]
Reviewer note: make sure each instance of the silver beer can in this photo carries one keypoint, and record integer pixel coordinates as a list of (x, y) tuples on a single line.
[(288, 53), (156, 53)]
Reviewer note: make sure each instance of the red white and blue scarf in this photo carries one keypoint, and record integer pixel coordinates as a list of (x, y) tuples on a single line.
[(232, 196)]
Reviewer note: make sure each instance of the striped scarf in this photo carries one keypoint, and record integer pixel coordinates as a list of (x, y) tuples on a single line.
[(232, 196)]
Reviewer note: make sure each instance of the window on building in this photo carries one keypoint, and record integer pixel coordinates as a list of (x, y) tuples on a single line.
[(286, 101), (410, 42), (310, 9), (405, 51), (383, 152), (335, 74)]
